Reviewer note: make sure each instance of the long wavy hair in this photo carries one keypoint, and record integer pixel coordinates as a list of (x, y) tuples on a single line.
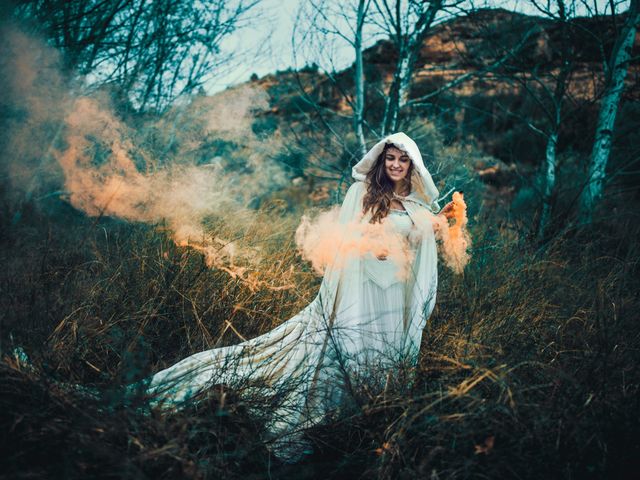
[(380, 188)]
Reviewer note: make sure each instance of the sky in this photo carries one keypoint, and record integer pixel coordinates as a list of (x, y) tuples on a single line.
[(266, 43)]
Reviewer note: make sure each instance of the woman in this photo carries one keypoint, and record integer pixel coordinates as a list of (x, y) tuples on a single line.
[(369, 314)]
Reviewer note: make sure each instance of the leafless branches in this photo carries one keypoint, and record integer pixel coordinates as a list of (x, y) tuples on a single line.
[(152, 51)]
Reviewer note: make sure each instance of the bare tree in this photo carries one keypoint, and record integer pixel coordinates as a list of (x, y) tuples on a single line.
[(615, 73), (403, 26), (152, 51), (548, 84), (404, 23), (407, 24), (358, 111), (553, 72), (327, 26)]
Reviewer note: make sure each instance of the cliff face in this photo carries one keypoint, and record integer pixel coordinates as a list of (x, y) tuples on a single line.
[(493, 107)]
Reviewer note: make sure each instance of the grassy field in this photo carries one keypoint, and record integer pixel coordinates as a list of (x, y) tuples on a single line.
[(529, 367)]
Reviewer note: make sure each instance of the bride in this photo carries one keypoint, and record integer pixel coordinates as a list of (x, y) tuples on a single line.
[(373, 303)]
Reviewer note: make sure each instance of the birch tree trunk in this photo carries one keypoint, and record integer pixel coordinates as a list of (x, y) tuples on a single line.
[(608, 109), (358, 112), (392, 103), (550, 169), (408, 45), (551, 161), (400, 87)]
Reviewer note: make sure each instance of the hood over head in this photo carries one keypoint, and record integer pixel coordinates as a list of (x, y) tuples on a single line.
[(403, 142)]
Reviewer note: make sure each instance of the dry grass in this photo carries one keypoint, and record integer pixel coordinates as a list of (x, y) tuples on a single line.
[(530, 364)]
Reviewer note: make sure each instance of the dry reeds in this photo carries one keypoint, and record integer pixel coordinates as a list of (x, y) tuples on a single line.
[(530, 364)]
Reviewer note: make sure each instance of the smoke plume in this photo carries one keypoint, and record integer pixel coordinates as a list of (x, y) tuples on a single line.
[(199, 160), (454, 237), (324, 241)]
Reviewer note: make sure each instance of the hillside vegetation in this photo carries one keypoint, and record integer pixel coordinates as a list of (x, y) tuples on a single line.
[(129, 242)]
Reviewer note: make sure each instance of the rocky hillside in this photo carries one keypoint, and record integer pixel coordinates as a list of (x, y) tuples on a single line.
[(492, 108)]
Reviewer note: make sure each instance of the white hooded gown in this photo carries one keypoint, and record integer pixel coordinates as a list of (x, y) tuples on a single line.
[(364, 319)]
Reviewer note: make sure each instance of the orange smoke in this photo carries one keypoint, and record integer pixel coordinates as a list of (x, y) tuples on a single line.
[(453, 235), (181, 196), (325, 241), (58, 138)]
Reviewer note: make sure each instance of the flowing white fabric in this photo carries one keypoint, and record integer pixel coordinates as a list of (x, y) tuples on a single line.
[(364, 317)]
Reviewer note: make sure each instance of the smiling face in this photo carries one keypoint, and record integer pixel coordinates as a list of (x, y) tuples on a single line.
[(397, 164)]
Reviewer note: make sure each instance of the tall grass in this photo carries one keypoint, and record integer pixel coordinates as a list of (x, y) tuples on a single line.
[(529, 365)]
